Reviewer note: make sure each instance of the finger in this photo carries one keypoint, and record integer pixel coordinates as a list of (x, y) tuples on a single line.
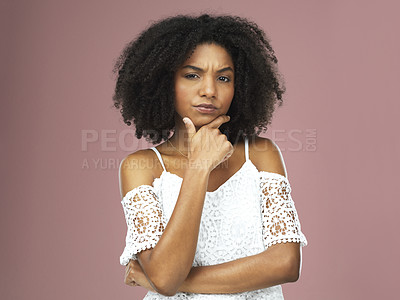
[(191, 129), (218, 121), (132, 283), (127, 271), (127, 267), (128, 279), (227, 156)]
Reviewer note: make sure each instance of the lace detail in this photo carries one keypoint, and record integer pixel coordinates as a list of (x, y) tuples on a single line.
[(230, 223), (230, 228), (251, 211), (272, 293), (144, 219), (280, 220)]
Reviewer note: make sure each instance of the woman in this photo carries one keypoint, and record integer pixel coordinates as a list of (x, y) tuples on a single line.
[(209, 211)]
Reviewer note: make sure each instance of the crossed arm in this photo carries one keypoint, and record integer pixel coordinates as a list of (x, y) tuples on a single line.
[(278, 264)]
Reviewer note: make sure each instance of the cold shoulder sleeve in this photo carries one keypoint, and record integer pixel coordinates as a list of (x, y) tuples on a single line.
[(279, 216), (144, 219)]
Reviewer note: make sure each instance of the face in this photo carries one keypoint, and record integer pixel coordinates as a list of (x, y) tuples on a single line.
[(206, 78)]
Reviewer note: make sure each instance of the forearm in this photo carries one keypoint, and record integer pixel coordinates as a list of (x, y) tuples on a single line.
[(275, 266), (168, 264)]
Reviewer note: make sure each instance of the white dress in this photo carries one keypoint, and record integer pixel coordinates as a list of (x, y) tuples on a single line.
[(251, 211)]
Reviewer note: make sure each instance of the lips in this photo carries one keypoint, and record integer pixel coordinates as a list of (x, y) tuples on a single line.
[(206, 108), (206, 105)]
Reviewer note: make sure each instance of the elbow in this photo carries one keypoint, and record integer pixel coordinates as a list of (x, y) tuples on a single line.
[(167, 293), (164, 285), (162, 281), (165, 288)]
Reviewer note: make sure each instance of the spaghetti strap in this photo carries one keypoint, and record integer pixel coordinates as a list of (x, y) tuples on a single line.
[(246, 148), (159, 157)]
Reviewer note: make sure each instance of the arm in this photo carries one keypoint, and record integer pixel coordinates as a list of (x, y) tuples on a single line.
[(164, 267), (281, 262), (277, 265)]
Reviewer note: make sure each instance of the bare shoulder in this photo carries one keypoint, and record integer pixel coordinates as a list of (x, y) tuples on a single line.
[(266, 155), (136, 169)]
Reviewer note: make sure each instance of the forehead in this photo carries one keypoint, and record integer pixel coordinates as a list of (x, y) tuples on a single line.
[(205, 54)]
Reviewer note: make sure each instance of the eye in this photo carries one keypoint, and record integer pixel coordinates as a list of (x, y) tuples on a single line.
[(191, 76), (224, 78)]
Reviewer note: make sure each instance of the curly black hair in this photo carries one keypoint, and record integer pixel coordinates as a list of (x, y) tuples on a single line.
[(144, 89)]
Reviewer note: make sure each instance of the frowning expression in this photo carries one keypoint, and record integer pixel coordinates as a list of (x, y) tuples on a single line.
[(205, 79)]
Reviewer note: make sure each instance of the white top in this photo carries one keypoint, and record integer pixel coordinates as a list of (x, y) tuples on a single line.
[(248, 213)]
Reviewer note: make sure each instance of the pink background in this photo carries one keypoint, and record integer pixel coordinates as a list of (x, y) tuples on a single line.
[(62, 225)]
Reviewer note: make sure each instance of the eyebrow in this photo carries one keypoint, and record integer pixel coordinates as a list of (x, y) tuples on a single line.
[(201, 70)]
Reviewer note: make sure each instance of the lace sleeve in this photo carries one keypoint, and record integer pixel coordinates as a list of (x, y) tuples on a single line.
[(279, 216), (144, 220)]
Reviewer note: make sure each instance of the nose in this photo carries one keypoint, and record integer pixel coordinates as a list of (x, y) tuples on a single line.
[(208, 88)]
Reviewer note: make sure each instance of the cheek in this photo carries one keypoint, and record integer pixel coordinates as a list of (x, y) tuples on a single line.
[(232, 93), (229, 96), (183, 92), (182, 95)]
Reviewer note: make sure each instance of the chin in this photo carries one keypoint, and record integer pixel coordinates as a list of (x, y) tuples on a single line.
[(203, 120)]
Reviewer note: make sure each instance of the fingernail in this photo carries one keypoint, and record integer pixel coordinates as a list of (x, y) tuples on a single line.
[(184, 120)]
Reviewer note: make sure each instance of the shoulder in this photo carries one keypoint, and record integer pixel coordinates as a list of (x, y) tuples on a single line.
[(136, 169), (266, 155)]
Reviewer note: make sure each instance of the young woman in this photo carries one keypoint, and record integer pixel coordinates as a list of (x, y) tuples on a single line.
[(209, 210)]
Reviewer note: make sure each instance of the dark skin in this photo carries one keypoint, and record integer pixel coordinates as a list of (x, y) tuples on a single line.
[(207, 76), (257, 79), (277, 265), (173, 159), (206, 161)]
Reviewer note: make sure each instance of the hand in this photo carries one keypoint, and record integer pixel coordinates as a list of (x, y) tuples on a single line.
[(134, 276), (208, 146), (129, 273)]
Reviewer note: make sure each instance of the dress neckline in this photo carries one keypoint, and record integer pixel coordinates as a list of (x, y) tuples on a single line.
[(247, 162), (261, 174)]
